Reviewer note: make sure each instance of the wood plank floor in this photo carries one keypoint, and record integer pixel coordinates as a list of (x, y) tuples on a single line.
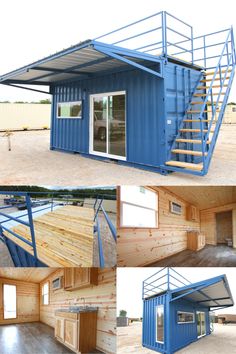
[(64, 237), (30, 338), (209, 256)]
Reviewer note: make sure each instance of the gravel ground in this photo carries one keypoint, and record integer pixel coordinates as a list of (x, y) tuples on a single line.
[(31, 162), (5, 258), (221, 341)]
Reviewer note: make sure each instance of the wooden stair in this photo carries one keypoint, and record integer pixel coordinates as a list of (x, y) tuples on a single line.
[(199, 111), (216, 79), (196, 120), (187, 165), (191, 141), (188, 152), (207, 87), (205, 94), (190, 130), (206, 73)]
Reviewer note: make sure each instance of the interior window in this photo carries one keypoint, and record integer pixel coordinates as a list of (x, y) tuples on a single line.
[(139, 207), (9, 301), (185, 317), (45, 294)]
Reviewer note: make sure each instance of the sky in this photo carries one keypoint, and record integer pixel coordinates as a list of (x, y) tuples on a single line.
[(129, 285), (31, 30)]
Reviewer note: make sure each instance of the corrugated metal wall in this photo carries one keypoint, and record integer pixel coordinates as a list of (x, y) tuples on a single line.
[(17, 116), (149, 323), (180, 335), (151, 103)]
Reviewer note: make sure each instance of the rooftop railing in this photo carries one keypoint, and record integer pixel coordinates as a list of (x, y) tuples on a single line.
[(163, 34), (163, 280)]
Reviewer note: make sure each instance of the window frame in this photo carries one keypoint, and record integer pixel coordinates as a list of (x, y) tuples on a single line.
[(186, 312), (158, 341), (9, 319), (42, 295), (120, 211), (70, 102)]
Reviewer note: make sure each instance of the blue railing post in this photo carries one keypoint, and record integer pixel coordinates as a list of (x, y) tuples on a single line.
[(204, 50), (163, 24), (192, 49), (168, 278), (31, 225)]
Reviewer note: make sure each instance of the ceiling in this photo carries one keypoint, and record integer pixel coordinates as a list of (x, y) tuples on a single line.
[(205, 197), (34, 275)]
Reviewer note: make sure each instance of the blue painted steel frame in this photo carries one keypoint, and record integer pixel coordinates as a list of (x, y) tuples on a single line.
[(168, 298)]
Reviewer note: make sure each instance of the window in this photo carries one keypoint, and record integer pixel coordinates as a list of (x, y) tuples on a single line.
[(45, 294), (185, 317), (9, 301), (175, 208), (233, 109), (139, 207), (69, 109), (160, 323)]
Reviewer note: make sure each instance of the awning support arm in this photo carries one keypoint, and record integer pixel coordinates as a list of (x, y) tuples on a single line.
[(127, 61), (25, 88), (189, 292)]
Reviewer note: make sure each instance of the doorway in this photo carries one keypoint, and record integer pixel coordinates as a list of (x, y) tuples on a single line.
[(201, 324), (224, 228), (9, 301), (108, 125)]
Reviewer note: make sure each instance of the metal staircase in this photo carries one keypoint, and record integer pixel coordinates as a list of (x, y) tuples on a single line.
[(198, 131)]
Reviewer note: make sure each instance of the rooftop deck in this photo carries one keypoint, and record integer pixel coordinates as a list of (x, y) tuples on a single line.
[(64, 237)]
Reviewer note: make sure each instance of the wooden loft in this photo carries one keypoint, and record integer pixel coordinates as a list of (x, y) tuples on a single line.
[(58, 322), (205, 217), (64, 237)]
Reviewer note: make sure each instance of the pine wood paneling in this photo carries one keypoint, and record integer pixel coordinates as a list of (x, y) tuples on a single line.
[(27, 301), (208, 221), (139, 247), (103, 296)]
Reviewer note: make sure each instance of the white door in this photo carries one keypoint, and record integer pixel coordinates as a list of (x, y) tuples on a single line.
[(108, 125)]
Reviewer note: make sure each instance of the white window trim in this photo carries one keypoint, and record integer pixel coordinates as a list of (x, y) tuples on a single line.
[(91, 132), (158, 341), (188, 313), (12, 318), (70, 102)]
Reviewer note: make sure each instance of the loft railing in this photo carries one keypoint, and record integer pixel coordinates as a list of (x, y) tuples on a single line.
[(163, 34), (98, 206), (163, 280)]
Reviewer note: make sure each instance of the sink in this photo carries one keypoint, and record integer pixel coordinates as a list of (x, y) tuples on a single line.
[(77, 309)]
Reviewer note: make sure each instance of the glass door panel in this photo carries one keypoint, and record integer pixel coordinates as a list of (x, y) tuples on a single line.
[(100, 124), (201, 324), (109, 125), (116, 125)]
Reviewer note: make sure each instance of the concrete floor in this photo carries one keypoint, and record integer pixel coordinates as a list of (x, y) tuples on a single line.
[(222, 340), (31, 162)]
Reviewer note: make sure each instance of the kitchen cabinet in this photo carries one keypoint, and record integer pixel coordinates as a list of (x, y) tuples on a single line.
[(192, 213), (78, 278), (79, 330), (195, 240)]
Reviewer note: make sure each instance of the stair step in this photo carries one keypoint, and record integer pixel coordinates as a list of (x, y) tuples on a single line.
[(188, 152), (191, 141), (199, 111), (216, 79), (197, 120), (188, 165), (207, 87), (208, 103), (213, 72), (205, 94), (195, 131)]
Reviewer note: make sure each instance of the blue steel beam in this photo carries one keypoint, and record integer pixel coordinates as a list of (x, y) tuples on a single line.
[(100, 248), (25, 88), (110, 224), (17, 236), (127, 61)]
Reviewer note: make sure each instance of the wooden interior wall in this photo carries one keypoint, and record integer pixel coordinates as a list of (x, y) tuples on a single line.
[(208, 222), (103, 296), (224, 226), (27, 301), (140, 247)]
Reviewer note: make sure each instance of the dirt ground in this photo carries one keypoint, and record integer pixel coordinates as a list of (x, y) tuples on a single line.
[(222, 340), (31, 162)]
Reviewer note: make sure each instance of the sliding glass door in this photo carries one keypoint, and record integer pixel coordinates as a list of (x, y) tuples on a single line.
[(108, 125), (201, 324)]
